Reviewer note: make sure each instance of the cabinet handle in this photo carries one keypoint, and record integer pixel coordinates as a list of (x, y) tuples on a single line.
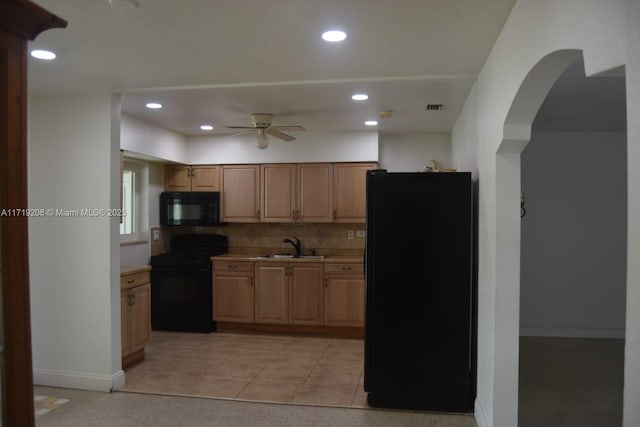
[(251, 282), (232, 267), (130, 281), (346, 268), (133, 297), (326, 283), (335, 215), (258, 214)]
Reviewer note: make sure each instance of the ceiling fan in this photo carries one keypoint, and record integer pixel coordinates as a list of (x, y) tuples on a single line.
[(261, 126)]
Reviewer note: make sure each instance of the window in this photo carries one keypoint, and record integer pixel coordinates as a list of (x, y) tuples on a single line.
[(127, 226), (135, 201)]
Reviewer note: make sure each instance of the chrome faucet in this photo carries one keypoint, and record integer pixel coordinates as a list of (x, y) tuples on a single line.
[(296, 245)]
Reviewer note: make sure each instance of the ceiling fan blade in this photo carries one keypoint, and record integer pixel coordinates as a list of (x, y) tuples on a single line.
[(288, 127), (240, 127), (280, 135), (241, 133)]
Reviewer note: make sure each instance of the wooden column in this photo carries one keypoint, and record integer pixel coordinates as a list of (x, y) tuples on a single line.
[(20, 21)]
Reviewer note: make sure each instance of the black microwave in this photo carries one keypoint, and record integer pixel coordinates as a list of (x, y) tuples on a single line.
[(195, 208)]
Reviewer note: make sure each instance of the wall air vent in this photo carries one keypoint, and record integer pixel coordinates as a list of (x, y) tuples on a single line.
[(434, 107)]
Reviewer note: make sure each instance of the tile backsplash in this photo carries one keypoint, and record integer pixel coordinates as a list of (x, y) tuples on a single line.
[(260, 238)]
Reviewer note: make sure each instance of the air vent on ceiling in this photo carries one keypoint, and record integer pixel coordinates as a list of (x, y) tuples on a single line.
[(434, 107)]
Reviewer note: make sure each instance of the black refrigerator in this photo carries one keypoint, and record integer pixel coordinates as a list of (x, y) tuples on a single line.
[(419, 295)]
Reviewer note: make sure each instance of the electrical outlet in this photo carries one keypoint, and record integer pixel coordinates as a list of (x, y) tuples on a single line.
[(350, 234), (360, 233), (156, 234)]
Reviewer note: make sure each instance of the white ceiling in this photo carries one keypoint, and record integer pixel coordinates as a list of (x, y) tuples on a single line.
[(219, 61)]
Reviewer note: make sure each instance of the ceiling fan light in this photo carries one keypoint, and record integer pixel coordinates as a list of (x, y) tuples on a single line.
[(360, 97), (262, 141)]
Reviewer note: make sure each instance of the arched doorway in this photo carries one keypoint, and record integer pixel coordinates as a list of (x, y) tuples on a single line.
[(516, 135), (573, 254)]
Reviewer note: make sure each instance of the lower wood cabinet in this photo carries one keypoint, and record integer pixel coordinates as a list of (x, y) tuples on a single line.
[(233, 291), (344, 295), (280, 296), (307, 295), (289, 293), (135, 309)]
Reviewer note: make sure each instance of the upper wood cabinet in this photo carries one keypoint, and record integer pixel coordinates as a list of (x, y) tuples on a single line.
[(191, 178), (297, 193), (240, 193), (314, 202), (277, 198), (349, 192), (280, 193)]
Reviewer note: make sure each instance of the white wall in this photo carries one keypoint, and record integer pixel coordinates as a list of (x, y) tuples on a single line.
[(73, 158), (139, 136), (411, 152), (574, 235), (308, 147), (607, 32)]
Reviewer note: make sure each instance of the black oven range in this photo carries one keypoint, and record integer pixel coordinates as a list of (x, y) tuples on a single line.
[(181, 283)]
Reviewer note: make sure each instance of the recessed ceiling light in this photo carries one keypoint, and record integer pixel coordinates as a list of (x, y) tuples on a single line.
[(334, 36), (371, 123), (47, 55), (360, 97), (206, 127), (153, 105)]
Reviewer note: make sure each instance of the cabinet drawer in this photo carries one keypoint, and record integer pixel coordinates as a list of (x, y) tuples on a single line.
[(344, 268), (135, 279), (232, 267)]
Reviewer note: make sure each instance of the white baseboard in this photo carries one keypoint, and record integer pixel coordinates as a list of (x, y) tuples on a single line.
[(571, 332), (478, 412), (78, 380)]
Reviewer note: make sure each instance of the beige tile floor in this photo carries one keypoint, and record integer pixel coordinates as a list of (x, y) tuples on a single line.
[(266, 368)]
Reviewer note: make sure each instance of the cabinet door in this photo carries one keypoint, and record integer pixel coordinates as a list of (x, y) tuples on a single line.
[(233, 299), (277, 199), (240, 193), (350, 191), (140, 321), (272, 293), (177, 178), (344, 301), (307, 295), (124, 322), (205, 178), (314, 201)]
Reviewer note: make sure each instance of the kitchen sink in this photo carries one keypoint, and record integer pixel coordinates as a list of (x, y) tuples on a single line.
[(274, 256), (289, 256)]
